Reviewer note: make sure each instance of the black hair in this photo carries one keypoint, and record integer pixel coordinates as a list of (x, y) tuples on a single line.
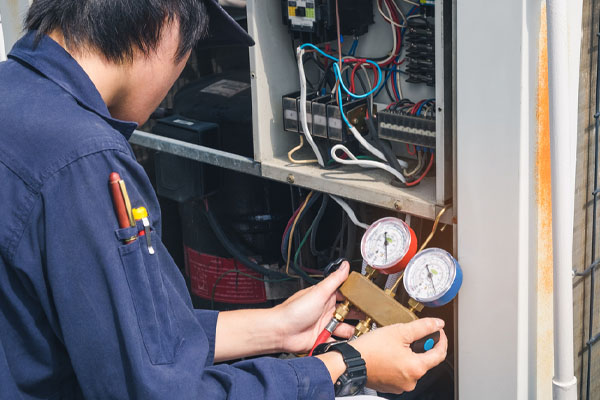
[(116, 27)]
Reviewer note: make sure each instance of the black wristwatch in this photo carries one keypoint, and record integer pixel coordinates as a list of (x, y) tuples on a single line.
[(355, 376)]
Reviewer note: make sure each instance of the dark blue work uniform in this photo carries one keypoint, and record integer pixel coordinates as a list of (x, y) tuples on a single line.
[(82, 314)]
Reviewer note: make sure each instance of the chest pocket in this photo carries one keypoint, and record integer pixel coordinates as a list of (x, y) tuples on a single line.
[(154, 313)]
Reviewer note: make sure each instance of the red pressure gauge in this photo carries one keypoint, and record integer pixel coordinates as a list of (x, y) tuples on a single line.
[(388, 245)]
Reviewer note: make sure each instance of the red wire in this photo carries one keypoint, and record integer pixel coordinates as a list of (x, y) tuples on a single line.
[(416, 107), (393, 17), (352, 87), (412, 153), (413, 183), (394, 88), (292, 218)]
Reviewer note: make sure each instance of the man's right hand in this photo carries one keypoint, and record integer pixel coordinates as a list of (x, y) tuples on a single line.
[(392, 367)]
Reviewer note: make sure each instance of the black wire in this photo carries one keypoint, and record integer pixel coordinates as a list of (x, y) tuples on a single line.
[(315, 227), (311, 85), (292, 199), (307, 278), (296, 238), (350, 241), (337, 238), (387, 88), (318, 63), (311, 201), (328, 78), (234, 251), (385, 147)]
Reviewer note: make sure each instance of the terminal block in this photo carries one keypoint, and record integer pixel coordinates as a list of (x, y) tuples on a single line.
[(411, 129), (420, 50), (323, 116), (324, 120)]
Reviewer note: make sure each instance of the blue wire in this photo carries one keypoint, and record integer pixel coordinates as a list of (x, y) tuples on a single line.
[(422, 104), (353, 48), (338, 74), (395, 85), (286, 238), (312, 46), (342, 109), (387, 77)]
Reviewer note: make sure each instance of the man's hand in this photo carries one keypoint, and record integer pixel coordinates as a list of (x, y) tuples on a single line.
[(292, 326), (304, 315), (392, 367)]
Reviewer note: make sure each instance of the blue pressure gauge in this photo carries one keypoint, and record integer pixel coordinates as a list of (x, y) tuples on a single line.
[(433, 277)]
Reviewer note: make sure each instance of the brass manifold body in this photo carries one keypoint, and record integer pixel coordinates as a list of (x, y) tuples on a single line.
[(379, 306)]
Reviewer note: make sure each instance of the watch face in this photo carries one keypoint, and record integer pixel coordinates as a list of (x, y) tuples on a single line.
[(347, 386)]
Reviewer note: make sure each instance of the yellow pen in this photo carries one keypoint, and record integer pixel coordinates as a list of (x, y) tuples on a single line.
[(141, 213)]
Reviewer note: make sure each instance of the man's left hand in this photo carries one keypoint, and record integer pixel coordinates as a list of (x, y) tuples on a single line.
[(304, 315)]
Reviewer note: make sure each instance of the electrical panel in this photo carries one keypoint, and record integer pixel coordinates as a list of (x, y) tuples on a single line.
[(375, 127), (355, 104)]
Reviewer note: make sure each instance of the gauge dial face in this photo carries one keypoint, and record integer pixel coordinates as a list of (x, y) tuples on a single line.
[(429, 275), (385, 243)]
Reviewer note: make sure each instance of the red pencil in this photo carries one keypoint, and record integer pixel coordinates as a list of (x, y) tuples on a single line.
[(119, 203)]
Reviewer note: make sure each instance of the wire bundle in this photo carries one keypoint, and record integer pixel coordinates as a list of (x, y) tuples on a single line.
[(290, 258), (351, 65)]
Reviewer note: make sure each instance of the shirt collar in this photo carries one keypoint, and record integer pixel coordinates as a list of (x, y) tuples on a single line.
[(51, 60)]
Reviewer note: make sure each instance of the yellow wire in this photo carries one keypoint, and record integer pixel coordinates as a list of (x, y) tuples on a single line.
[(289, 252), (295, 149), (420, 159), (435, 224)]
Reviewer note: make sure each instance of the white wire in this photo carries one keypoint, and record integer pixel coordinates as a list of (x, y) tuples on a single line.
[(303, 119), (394, 48), (373, 150), (366, 72), (337, 83), (400, 11), (363, 163), (388, 19), (398, 85), (350, 212)]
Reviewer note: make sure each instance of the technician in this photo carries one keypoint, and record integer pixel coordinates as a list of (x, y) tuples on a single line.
[(87, 312)]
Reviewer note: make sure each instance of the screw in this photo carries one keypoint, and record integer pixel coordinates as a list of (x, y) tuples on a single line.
[(355, 121), (290, 178), (398, 205), (252, 75)]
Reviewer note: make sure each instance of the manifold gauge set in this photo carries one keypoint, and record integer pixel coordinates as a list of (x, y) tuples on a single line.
[(432, 277)]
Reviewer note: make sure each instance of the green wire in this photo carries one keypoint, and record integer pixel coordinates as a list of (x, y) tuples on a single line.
[(302, 244)]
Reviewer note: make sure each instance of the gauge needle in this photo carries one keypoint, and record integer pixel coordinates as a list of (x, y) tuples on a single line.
[(430, 276), (385, 244)]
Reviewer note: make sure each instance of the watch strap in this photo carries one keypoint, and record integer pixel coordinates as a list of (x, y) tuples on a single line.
[(355, 376)]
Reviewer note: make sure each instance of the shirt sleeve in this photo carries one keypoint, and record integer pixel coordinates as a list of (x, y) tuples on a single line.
[(124, 315)]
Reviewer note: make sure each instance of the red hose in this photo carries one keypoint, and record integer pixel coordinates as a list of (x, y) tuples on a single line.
[(321, 339)]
